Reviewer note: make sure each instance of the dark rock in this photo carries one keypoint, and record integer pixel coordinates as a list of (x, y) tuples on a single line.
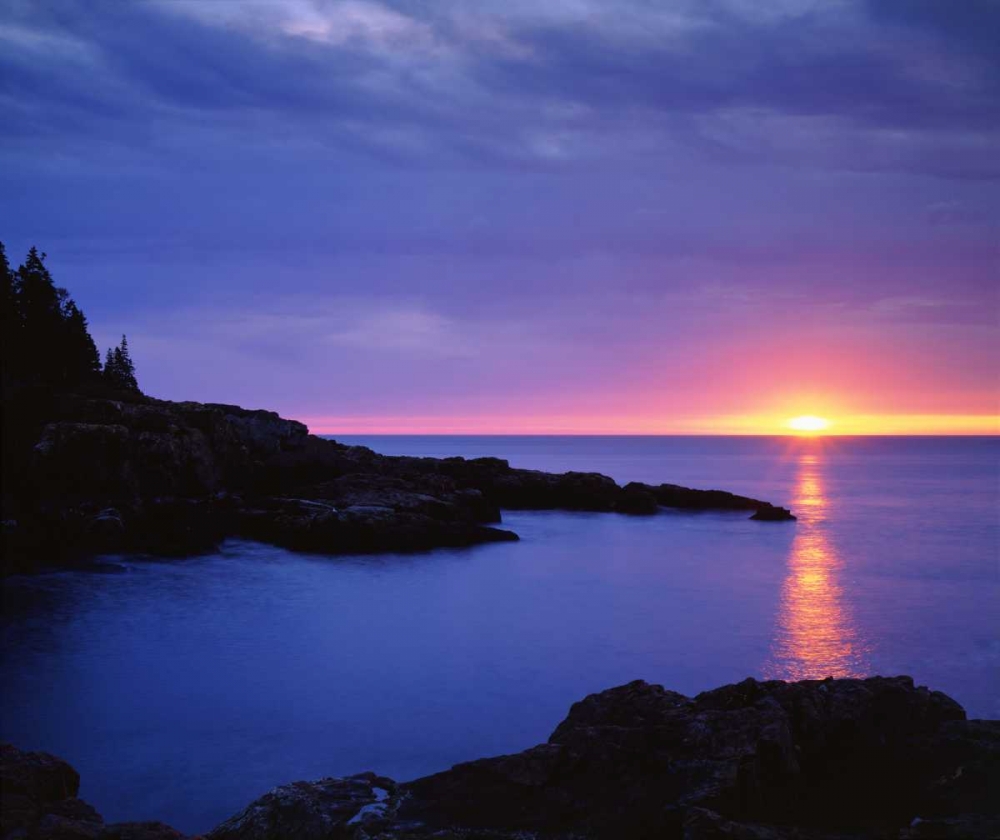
[(965, 827), (844, 759), (319, 810), (961, 765), (438, 497), (530, 489), (623, 775), (30, 782), (38, 801), (80, 462), (144, 475), (702, 824), (773, 513), (642, 496), (638, 500), (754, 760), (108, 449), (858, 742), (675, 496), (175, 527), (637, 703), (140, 831), (107, 526), (305, 525), (70, 819)]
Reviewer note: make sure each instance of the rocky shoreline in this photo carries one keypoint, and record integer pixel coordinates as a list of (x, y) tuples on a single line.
[(92, 474), (812, 760)]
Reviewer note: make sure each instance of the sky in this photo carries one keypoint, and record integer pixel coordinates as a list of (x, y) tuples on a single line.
[(685, 216)]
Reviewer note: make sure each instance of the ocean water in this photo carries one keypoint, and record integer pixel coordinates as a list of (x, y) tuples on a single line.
[(182, 689)]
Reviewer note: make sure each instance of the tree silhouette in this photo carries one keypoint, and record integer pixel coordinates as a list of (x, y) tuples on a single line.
[(46, 352), (81, 357), (119, 370), (45, 337), (10, 317)]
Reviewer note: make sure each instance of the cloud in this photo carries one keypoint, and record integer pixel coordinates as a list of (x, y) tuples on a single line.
[(554, 85), (369, 24), (953, 213), (406, 330)]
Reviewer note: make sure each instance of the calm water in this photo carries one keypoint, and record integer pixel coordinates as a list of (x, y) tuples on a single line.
[(181, 690)]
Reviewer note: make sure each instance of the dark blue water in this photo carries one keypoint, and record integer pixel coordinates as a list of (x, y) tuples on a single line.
[(183, 689)]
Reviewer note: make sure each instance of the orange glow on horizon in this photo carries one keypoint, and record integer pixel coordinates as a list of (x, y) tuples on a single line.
[(808, 424), (749, 424)]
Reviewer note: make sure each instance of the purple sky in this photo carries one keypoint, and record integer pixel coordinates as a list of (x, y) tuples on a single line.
[(702, 215)]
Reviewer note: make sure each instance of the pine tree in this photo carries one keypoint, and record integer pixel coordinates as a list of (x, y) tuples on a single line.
[(81, 356), (8, 290), (119, 370), (40, 304), (10, 318), (45, 337)]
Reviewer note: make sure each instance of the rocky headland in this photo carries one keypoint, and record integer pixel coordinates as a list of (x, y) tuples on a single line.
[(812, 760), (88, 474)]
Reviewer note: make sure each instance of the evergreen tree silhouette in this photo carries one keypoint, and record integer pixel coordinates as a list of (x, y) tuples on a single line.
[(80, 352), (40, 303), (119, 370), (45, 342), (10, 318)]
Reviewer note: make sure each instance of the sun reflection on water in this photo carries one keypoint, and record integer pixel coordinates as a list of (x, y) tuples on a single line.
[(815, 633)]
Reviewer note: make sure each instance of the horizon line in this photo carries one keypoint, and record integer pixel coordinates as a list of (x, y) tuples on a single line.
[(791, 435), (770, 424)]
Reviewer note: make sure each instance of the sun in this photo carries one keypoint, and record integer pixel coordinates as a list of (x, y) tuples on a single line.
[(808, 424)]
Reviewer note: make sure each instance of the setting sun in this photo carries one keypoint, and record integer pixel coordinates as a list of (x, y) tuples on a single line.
[(808, 424)]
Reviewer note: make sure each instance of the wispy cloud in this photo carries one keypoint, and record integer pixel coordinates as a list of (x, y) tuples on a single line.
[(407, 330), (824, 83), (360, 22)]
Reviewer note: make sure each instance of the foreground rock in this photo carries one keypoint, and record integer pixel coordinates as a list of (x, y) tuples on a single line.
[(326, 808), (858, 757), (826, 760), (84, 475), (38, 801), (773, 513), (685, 498)]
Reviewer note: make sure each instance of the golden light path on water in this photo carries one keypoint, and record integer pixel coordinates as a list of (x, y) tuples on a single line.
[(815, 634)]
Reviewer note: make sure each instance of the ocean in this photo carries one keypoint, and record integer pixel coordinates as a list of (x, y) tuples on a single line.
[(183, 689)]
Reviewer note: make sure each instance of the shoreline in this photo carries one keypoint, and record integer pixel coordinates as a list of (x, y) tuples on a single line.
[(95, 474), (822, 759)]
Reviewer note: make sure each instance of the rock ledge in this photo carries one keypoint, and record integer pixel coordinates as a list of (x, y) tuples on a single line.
[(92, 475), (815, 760)]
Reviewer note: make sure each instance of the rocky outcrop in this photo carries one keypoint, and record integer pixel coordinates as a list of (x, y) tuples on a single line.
[(309, 525), (38, 801), (143, 475), (30, 782), (124, 452), (773, 513), (319, 810), (686, 498), (633, 761), (833, 758), (820, 759)]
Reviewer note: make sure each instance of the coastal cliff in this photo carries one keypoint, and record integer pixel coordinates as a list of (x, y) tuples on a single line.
[(96, 473), (814, 760)]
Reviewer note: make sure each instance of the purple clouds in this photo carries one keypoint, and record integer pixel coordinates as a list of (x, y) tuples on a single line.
[(518, 209)]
